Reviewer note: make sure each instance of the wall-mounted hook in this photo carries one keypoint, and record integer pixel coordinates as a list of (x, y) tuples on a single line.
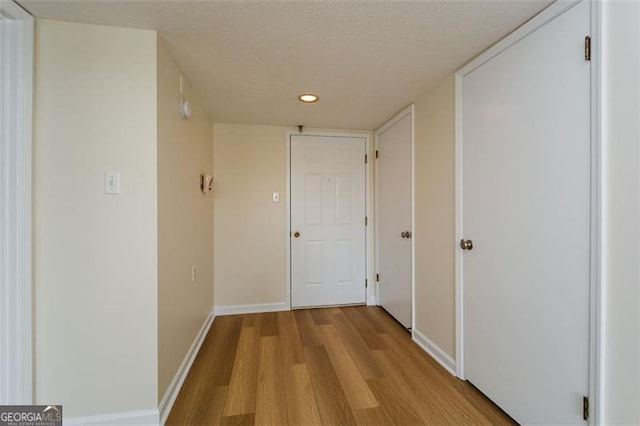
[(206, 183)]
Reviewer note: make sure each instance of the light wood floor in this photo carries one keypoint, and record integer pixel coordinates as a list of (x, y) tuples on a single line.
[(334, 366)]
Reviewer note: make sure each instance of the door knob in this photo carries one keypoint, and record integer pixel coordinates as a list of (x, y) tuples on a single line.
[(296, 234), (466, 244), (403, 234)]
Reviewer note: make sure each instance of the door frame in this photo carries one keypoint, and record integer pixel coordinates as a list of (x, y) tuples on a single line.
[(395, 119), (17, 332), (370, 296), (595, 290)]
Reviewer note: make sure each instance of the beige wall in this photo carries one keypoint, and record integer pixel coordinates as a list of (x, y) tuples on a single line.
[(250, 229), (185, 221), (621, 212), (249, 253), (435, 215), (95, 259)]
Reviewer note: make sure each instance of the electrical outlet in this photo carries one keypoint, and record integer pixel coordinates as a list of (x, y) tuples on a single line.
[(112, 182)]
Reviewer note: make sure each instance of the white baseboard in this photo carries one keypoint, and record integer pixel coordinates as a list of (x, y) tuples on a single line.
[(251, 309), (436, 353), (173, 390), (143, 417), (156, 416)]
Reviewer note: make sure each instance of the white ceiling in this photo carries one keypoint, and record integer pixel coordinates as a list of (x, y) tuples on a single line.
[(248, 60)]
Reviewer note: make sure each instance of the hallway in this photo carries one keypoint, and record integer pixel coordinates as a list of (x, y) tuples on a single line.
[(350, 365)]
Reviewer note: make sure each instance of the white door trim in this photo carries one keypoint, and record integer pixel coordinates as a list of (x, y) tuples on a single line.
[(595, 336), (458, 230), (16, 372), (595, 288), (408, 110), (369, 268)]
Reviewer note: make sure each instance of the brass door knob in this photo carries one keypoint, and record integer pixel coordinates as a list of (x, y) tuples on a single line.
[(296, 234), (466, 244)]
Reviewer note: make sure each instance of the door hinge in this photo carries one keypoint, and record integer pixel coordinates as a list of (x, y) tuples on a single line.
[(366, 159), (378, 277), (376, 153), (587, 48), (366, 221), (585, 407), (366, 283)]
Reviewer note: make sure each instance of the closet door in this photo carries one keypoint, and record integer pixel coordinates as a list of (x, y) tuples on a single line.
[(393, 177), (526, 223)]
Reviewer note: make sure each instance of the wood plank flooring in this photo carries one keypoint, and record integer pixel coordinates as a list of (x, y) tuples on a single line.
[(331, 366)]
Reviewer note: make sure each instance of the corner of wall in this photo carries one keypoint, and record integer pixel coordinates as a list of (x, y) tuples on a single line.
[(434, 120), (185, 222), (95, 254)]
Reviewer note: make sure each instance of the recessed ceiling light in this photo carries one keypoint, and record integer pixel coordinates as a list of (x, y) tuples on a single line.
[(308, 98)]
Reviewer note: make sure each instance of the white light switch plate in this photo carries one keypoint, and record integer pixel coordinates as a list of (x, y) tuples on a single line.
[(276, 197), (112, 182)]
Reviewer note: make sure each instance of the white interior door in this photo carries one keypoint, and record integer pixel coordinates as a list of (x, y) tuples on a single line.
[(393, 176), (526, 208), (327, 220)]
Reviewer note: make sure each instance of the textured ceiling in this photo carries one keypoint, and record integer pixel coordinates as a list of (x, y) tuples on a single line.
[(248, 60)]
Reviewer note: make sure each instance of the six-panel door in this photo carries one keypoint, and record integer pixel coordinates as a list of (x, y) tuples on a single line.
[(327, 220)]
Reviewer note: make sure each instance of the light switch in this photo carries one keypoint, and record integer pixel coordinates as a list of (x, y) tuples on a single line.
[(112, 182), (276, 197)]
